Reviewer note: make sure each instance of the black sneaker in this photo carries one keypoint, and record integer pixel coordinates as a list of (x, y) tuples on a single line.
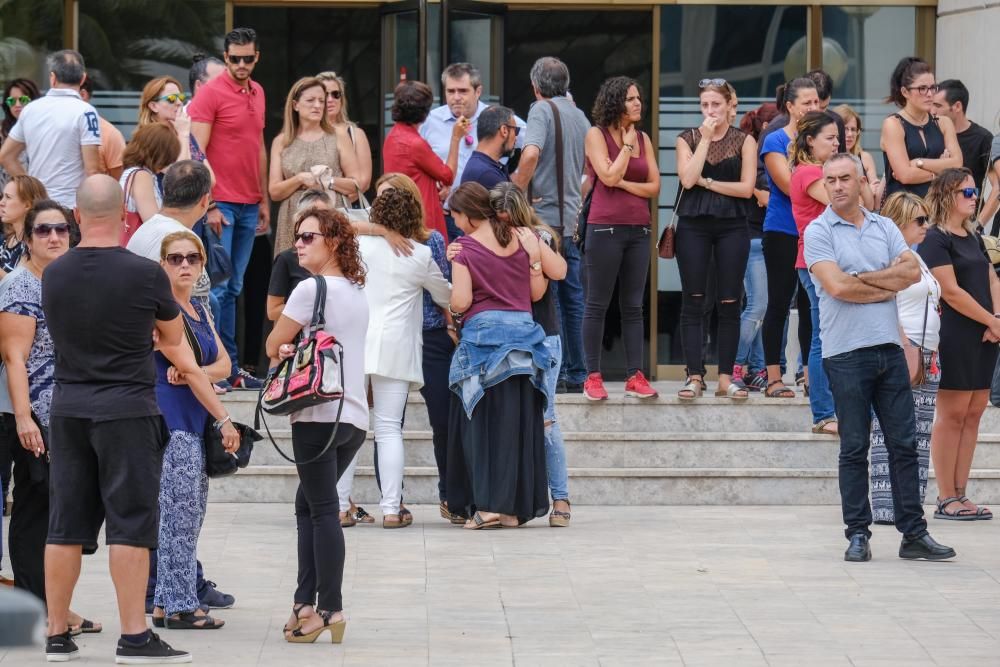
[(61, 648), (210, 596), (154, 651), (756, 382)]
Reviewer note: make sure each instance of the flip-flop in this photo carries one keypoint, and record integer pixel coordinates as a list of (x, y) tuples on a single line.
[(190, 621), (86, 627), (733, 392), (479, 523), (784, 392), (820, 427)]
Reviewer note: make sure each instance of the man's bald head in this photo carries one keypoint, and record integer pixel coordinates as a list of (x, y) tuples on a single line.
[(99, 196)]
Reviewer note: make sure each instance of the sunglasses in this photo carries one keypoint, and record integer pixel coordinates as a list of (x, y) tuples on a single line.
[(923, 90), (969, 193), (335, 94), (172, 98), (705, 83), (308, 237), (514, 128), (921, 220), (176, 259), (22, 100), (246, 60), (43, 230)]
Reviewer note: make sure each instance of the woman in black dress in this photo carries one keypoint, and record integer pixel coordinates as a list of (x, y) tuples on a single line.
[(917, 145), (970, 330)]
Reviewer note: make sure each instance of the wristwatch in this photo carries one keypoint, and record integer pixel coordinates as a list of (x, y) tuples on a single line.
[(708, 183), (920, 163), (537, 266)]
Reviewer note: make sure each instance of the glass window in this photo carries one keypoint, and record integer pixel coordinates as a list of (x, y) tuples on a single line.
[(29, 31), (701, 42)]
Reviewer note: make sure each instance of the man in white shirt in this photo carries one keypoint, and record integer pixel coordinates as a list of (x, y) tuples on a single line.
[(60, 132)]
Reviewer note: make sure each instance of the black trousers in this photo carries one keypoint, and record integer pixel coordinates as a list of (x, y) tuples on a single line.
[(615, 252), (780, 251), (438, 349), (698, 240), (317, 510)]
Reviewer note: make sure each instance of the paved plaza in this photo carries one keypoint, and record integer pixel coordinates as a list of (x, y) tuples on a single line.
[(626, 586)]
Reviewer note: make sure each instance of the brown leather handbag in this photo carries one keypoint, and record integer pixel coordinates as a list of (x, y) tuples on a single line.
[(665, 246)]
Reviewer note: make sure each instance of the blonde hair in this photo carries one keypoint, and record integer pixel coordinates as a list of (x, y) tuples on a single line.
[(186, 235), (901, 207), (339, 80), (508, 198), (150, 92), (941, 196), (399, 181), (291, 123), (847, 112)]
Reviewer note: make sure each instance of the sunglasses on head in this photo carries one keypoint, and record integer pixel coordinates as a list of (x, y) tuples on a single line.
[(172, 98), (44, 229), (335, 94), (969, 193), (921, 220), (705, 83), (176, 259), (22, 100), (246, 60), (308, 237)]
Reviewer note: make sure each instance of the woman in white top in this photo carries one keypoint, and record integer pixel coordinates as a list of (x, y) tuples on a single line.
[(394, 345), (326, 247), (920, 326)]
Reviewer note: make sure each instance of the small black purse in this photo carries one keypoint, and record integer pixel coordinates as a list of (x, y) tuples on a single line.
[(219, 462)]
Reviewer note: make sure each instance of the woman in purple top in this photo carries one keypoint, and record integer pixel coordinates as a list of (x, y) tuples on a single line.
[(496, 438), (627, 178)]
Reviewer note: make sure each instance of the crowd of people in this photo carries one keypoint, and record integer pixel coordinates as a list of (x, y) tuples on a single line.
[(471, 278)]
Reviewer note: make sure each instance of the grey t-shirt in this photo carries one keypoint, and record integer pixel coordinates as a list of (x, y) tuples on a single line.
[(846, 326), (542, 133)]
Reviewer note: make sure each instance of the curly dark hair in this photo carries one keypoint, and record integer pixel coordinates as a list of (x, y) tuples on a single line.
[(399, 210), (340, 238), (610, 102), (43, 205), (412, 102)]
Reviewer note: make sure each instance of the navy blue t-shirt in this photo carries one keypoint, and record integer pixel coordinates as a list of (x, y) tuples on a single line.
[(484, 170)]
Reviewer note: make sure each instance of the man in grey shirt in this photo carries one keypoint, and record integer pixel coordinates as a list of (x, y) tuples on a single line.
[(558, 204), (859, 261)]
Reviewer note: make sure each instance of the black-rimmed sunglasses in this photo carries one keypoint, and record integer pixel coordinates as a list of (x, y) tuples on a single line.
[(921, 220), (969, 193), (177, 259), (308, 237), (44, 229), (246, 60)]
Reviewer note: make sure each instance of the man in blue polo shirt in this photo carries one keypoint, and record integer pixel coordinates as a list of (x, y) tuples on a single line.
[(497, 133), (859, 262)]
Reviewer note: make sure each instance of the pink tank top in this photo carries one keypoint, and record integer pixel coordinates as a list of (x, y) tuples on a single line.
[(614, 206)]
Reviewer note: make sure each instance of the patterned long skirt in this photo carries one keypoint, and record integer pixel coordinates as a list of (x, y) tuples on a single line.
[(924, 401)]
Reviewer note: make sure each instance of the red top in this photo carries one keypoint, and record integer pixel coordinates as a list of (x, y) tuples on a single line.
[(406, 152), (805, 209), (237, 118), (614, 206), (498, 283)]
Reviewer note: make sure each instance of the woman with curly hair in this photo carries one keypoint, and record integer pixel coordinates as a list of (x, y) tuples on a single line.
[(328, 249), (393, 347), (624, 161), (406, 152)]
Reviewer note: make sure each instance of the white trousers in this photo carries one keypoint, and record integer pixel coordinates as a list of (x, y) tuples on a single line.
[(389, 396)]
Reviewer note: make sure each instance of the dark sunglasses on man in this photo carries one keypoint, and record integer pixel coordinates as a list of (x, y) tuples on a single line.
[(246, 60)]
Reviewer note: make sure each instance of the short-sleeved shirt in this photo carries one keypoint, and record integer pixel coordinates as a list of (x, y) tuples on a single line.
[(237, 118), (53, 129), (805, 209), (498, 283), (112, 147), (544, 184), (148, 241), (846, 326), (10, 255), (486, 171), (23, 296), (346, 317), (433, 317), (965, 256), (101, 305), (975, 143), (779, 206), (286, 274)]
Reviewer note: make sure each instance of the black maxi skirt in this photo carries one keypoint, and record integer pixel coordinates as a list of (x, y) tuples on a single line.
[(496, 460)]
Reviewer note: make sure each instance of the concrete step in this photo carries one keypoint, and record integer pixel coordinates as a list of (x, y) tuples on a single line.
[(605, 486)]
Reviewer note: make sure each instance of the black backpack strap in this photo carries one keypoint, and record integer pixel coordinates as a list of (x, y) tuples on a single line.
[(560, 180)]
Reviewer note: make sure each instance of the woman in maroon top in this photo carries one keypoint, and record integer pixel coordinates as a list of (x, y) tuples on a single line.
[(406, 152), (624, 161)]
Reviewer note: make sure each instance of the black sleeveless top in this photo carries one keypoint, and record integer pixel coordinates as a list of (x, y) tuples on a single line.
[(724, 162), (922, 141)]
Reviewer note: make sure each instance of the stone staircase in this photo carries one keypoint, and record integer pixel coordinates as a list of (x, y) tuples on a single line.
[(627, 452)]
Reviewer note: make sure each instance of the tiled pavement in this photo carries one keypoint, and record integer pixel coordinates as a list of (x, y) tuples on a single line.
[(623, 586)]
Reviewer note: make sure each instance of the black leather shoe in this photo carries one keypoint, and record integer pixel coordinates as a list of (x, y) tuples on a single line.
[(561, 387), (924, 548), (859, 551), (574, 388)]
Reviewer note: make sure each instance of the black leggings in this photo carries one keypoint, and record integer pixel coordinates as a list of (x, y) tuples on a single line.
[(615, 252), (804, 309), (697, 239), (780, 252), (438, 350), (317, 510)]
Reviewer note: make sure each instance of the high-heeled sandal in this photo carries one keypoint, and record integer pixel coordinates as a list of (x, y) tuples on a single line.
[(297, 610), (336, 630)]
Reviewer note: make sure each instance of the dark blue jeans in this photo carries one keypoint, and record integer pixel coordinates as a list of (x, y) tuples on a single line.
[(569, 308), (237, 238), (876, 378)]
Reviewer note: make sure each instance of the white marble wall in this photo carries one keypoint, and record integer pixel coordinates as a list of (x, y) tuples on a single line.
[(967, 33)]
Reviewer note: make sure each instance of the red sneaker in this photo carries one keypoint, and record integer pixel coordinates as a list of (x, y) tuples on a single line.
[(593, 388), (638, 386)]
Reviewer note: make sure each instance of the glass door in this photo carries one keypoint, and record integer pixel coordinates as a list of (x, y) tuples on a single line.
[(473, 32), (404, 51)]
